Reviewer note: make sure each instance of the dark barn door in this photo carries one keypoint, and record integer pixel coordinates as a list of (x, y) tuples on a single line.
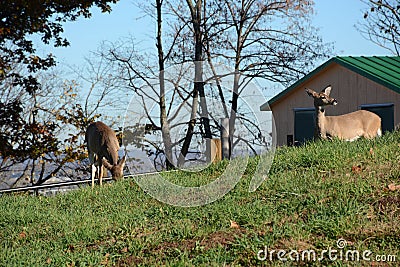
[(304, 125), (385, 111)]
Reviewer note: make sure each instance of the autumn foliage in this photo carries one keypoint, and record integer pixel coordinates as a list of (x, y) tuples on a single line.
[(29, 130)]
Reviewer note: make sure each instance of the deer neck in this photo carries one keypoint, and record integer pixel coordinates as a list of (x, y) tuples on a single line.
[(320, 119), (113, 158)]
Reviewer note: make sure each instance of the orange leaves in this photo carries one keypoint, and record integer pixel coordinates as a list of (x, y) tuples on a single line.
[(234, 225), (394, 187), (359, 167), (371, 152), (356, 169), (106, 259), (22, 235), (303, 7), (5, 31)]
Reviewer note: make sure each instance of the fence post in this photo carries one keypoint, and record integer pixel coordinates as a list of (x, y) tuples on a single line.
[(214, 154), (225, 138)]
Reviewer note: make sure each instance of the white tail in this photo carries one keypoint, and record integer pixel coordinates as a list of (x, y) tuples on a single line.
[(103, 146), (350, 126)]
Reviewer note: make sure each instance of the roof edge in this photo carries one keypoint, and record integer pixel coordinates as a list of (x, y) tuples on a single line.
[(343, 61), (302, 80), (339, 60)]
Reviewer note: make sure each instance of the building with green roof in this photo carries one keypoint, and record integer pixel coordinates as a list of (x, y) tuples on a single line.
[(371, 83)]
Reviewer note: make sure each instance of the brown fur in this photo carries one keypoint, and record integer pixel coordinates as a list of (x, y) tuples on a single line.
[(350, 126), (103, 146)]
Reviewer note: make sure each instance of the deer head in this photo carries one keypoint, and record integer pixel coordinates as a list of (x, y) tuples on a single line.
[(117, 170), (322, 99)]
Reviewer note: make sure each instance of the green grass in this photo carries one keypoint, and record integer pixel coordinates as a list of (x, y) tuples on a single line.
[(314, 195)]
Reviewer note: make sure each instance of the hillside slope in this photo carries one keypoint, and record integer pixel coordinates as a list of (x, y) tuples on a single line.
[(322, 197)]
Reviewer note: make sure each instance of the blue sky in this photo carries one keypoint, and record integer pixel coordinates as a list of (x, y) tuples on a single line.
[(335, 18)]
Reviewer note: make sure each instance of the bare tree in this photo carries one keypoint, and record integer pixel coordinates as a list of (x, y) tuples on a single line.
[(381, 24), (165, 127), (144, 74), (192, 16), (100, 90), (272, 40)]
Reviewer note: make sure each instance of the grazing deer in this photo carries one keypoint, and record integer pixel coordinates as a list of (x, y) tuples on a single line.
[(350, 126), (103, 146)]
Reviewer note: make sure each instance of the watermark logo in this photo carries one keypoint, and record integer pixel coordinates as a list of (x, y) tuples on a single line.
[(162, 111), (341, 243), (339, 253)]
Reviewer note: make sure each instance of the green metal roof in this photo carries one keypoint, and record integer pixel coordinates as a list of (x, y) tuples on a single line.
[(384, 70)]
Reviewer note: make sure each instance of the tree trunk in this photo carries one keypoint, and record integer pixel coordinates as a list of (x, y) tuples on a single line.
[(195, 11), (165, 127), (190, 130), (234, 107)]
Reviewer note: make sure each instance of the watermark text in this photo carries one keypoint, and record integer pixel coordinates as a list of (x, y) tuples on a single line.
[(338, 253)]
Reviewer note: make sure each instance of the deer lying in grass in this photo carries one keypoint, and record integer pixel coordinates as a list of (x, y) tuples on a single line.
[(350, 126), (103, 146)]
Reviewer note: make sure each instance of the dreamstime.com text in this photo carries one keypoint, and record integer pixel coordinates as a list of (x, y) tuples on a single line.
[(340, 253)]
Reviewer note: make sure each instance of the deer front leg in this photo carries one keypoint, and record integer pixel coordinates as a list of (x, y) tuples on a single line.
[(94, 171), (322, 133)]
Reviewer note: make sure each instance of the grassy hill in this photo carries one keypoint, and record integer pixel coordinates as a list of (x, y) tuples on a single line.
[(315, 196)]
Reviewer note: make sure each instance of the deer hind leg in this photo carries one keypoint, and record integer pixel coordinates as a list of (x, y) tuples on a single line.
[(379, 132), (101, 173), (93, 161), (373, 134)]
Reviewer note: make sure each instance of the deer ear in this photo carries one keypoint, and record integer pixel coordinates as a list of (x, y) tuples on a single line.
[(106, 164), (122, 161), (310, 92), (327, 90)]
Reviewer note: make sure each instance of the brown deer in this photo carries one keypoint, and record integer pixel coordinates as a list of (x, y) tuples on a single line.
[(350, 126), (103, 146)]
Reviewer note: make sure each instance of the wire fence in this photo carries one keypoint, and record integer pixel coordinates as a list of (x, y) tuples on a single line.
[(69, 183)]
